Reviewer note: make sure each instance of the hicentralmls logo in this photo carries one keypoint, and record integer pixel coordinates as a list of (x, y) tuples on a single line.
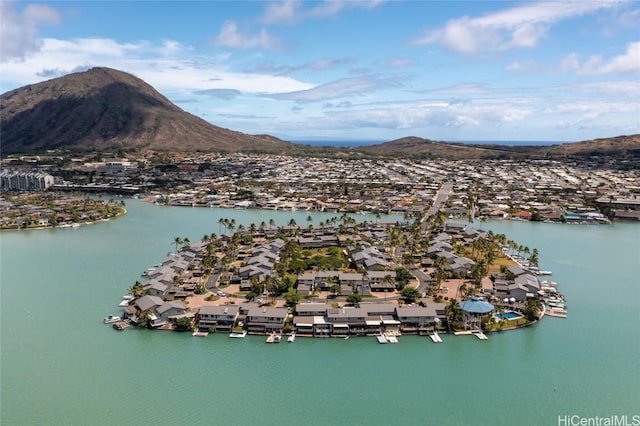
[(614, 420)]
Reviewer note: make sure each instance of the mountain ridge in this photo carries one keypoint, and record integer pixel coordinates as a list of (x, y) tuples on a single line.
[(103, 109)]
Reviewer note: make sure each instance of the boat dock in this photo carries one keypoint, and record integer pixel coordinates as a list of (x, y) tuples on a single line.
[(382, 338), (558, 313), (480, 335), (391, 338), (435, 338)]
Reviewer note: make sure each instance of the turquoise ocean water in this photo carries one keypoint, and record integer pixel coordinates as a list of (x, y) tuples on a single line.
[(60, 365)]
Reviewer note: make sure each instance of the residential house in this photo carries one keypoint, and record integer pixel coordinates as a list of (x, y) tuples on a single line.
[(218, 318)]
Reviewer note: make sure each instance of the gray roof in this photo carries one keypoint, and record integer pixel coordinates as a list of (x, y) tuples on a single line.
[(170, 305), (231, 310), (149, 302)]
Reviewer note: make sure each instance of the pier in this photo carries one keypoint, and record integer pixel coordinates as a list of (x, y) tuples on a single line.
[(480, 335), (435, 338)]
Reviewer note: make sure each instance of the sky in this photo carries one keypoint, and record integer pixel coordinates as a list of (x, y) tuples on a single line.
[(370, 70)]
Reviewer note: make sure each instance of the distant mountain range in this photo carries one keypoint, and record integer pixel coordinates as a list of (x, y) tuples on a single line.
[(103, 109)]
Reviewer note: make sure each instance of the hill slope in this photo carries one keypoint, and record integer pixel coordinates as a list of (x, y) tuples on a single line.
[(619, 146), (105, 109)]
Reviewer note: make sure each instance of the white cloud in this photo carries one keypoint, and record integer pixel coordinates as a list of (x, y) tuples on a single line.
[(627, 63), (397, 62), (520, 27), (143, 59), (19, 31), (354, 86), (570, 62), (293, 11), (281, 12), (230, 36)]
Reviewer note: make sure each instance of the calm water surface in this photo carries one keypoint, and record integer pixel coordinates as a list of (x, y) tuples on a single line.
[(61, 366)]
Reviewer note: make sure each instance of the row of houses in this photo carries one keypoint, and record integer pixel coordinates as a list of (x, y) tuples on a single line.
[(319, 319), (323, 320), (349, 282), (259, 264)]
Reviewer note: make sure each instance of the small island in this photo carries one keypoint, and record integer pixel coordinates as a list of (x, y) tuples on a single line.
[(41, 210), (341, 278)]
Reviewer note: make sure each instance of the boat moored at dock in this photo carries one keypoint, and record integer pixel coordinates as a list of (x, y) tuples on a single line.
[(111, 319)]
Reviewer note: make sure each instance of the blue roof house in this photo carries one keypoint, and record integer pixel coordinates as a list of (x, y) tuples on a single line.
[(472, 312)]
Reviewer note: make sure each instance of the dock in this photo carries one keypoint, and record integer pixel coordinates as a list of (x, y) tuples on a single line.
[(480, 335), (382, 338), (391, 338), (435, 338), (557, 313)]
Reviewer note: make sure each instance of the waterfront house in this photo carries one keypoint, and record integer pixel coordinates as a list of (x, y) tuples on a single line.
[(169, 312), (347, 320), (219, 318), (266, 319), (472, 312), (155, 288), (419, 319), (311, 309)]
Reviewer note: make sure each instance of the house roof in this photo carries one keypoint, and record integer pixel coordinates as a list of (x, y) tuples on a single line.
[(149, 302), (219, 310), (476, 306)]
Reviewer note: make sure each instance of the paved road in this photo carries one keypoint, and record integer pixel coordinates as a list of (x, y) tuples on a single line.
[(440, 198)]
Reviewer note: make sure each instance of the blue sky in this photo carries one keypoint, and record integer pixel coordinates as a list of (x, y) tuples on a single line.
[(366, 70)]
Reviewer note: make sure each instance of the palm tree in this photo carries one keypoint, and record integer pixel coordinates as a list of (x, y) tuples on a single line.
[(185, 242), (177, 241), (533, 260), (144, 318), (221, 222), (136, 289)]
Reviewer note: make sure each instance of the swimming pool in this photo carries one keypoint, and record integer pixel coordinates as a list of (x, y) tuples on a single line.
[(508, 315)]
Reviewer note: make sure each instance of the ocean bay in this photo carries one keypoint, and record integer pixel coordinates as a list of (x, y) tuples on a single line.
[(61, 365)]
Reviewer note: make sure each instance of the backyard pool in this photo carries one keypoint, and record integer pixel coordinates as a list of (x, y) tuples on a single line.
[(508, 315)]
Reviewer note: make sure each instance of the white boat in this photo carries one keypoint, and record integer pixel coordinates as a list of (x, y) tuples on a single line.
[(544, 273), (111, 319), (273, 338), (238, 335), (124, 303), (291, 338), (148, 271)]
